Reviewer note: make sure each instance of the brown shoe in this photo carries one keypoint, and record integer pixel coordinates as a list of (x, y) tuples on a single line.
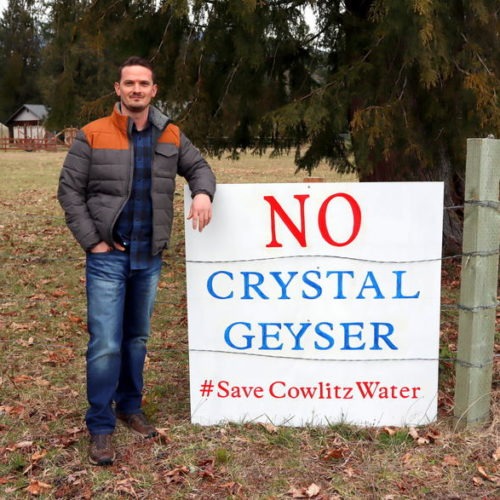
[(101, 449), (138, 423)]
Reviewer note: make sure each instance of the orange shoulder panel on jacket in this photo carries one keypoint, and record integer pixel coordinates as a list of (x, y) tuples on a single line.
[(171, 135), (102, 134)]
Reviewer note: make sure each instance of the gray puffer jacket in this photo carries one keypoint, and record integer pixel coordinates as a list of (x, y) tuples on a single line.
[(96, 178)]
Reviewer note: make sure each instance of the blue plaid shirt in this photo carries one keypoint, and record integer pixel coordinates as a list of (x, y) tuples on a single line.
[(134, 227)]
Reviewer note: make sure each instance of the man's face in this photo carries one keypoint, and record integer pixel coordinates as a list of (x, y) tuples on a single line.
[(135, 88)]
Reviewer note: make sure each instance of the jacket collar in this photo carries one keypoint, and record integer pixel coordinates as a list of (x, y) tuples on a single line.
[(156, 118)]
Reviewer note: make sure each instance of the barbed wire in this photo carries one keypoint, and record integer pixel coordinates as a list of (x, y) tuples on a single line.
[(484, 203), (460, 362), (36, 259), (347, 257), (480, 203), (477, 308), (30, 259), (56, 344), (23, 301)]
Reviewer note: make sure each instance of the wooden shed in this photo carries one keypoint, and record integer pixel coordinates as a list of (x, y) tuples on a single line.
[(4, 131), (28, 122)]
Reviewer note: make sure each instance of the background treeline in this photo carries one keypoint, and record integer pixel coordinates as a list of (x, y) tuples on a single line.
[(389, 88)]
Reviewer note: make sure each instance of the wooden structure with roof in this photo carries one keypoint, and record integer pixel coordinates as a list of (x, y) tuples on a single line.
[(28, 122)]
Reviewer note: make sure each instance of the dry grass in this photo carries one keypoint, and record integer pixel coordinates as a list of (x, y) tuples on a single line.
[(43, 444)]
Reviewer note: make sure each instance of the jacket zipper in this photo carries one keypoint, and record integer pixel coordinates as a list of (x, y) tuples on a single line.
[(130, 180)]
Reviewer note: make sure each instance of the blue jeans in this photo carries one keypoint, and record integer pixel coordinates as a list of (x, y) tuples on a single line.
[(119, 308)]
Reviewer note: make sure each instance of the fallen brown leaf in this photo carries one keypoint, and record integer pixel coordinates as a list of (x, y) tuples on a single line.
[(21, 379), (74, 430), (75, 477), (232, 487), (450, 460), (335, 453), (207, 468), (162, 435), (38, 455), (433, 435), (23, 445), (313, 490), (12, 410), (416, 436), (65, 442), (40, 382), (176, 475), (75, 319), (58, 357), (16, 327), (310, 492), (477, 481), (271, 428), (37, 487), (413, 433), (125, 486), (485, 475)]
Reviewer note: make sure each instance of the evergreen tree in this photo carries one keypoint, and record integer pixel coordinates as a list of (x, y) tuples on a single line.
[(20, 45), (387, 88), (88, 40), (410, 82), (241, 60), (63, 56)]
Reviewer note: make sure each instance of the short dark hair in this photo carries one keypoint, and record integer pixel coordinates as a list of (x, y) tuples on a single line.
[(136, 61)]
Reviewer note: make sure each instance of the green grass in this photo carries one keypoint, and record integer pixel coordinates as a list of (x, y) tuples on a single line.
[(42, 384)]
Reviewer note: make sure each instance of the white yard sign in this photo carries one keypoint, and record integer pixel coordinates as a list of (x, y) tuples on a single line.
[(316, 304)]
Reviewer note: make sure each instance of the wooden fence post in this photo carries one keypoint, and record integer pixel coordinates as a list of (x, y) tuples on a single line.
[(479, 282)]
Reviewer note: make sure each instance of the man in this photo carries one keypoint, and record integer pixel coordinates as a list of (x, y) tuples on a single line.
[(116, 189)]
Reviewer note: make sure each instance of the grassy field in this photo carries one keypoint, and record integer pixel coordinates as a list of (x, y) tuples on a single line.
[(43, 441)]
